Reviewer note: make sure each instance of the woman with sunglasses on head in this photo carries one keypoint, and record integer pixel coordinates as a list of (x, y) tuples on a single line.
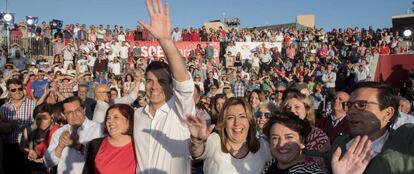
[(115, 152), (234, 148)]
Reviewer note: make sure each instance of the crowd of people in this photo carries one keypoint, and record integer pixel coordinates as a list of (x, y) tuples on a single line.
[(98, 106)]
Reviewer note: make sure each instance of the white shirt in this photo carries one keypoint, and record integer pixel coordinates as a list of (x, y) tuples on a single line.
[(124, 51), (115, 67), (329, 79), (376, 144), (161, 141), (88, 131), (176, 36), (216, 161)]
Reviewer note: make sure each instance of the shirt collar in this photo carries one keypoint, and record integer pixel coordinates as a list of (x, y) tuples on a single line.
[(164, 108), (376, 144)]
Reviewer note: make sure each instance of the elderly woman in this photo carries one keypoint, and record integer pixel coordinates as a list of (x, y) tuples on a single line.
[(287, 135), (115, 152), (301, 106), (234, 148)]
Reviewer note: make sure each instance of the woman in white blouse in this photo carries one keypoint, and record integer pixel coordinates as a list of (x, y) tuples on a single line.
[(233, 148)]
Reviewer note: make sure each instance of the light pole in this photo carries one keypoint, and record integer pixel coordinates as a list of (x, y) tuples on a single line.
[(7, 19), (31, 23)]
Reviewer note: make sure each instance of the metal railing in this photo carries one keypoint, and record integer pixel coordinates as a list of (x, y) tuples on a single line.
[(33, 47)]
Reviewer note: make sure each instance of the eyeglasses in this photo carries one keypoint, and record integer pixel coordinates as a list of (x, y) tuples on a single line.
[(15, 89), (279, 91), (266, 114), (360, 104), (78, 110)]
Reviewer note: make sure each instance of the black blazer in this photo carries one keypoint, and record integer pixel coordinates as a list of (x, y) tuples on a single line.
[(92, 150)]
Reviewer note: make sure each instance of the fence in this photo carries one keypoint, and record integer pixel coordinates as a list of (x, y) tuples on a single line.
[(32, 46), (35, 47)]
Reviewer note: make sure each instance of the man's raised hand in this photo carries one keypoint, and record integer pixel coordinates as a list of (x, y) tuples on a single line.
[(160, 25)]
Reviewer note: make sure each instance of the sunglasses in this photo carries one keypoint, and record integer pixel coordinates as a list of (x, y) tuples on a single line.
[(260, 114), (279, 91), (15, 89)]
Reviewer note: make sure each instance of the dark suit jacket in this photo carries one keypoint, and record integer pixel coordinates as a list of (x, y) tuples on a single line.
[(92, 150), (89, 107)]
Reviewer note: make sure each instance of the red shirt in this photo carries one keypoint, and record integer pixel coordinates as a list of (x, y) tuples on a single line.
[(186, 36), (385, 50), (42, 147), (195, 37), (111, 159)]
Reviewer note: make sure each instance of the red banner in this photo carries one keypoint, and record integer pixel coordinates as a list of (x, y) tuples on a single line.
[(147, 47), (393, 69)]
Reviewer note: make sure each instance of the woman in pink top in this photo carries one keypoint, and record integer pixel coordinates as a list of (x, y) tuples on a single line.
[(115, 152)]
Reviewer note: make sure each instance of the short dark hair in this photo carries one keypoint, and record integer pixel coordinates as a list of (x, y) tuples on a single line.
[(83, 86), (13, 81), (157, 65), (290, 120), (70, 100), (127, 111), (387, 96), (44, 107)]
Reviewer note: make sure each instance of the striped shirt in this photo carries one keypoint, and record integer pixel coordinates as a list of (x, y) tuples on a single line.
[(306, 167), (23, 115)]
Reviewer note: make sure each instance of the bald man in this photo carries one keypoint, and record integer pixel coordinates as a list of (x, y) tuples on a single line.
[(336, 123), (103, 101)]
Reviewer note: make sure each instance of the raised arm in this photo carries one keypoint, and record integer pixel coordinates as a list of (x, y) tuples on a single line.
[(160, 28), (199, 133)]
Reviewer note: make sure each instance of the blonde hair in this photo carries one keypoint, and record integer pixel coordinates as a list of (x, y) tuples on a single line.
[(307, 102)]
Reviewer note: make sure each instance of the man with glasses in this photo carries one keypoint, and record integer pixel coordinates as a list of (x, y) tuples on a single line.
[(67, 147), (18, 109), (372, 109), (336, 123)]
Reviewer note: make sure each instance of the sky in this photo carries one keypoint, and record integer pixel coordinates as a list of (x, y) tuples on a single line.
[(193, 13)]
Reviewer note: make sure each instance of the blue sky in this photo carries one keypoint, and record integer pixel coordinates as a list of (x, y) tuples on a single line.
[(193, 13)]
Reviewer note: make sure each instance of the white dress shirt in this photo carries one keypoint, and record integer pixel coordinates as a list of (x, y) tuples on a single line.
[(161, 141), (71, 160), (376, 144)]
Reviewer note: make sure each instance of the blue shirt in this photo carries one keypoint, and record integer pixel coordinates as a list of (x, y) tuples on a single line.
[(38, 87)]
